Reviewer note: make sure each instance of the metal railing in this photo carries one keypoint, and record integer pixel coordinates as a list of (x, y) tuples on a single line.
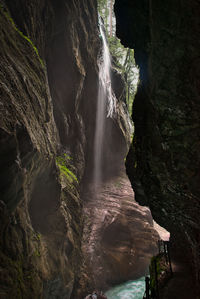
[(153, 281)]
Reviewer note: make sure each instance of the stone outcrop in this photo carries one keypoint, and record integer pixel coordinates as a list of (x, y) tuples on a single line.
[(119, 238), (163, 162)]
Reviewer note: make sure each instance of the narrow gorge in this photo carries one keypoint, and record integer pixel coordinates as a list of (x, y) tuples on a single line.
[(69, 220)]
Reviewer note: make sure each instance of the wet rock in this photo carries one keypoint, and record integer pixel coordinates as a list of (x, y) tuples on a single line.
[(119, 237)]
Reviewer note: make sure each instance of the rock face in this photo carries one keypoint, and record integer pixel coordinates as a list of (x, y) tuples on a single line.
[(163, 162), (119, 238), (48, 59)]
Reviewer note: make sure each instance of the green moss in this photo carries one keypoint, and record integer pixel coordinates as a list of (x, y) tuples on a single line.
[(7, 15), (21, 277), (132, 136), (37, 253), (160, 266), (37, 236), (16, 277), (61, 163)]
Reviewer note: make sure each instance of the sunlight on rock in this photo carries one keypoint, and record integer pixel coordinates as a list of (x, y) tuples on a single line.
[(163, 233)]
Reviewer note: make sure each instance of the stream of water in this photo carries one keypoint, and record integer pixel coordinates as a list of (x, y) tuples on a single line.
[(106, 107), (128, 290), (106, 103)]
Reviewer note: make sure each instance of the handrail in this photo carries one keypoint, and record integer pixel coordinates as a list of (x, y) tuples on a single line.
[(152, 283)]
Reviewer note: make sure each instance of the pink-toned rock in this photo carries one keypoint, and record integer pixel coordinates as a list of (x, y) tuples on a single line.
[(119, 237)]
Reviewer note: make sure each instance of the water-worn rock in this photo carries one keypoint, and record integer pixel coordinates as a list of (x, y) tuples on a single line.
[(119, 238), (163, 162)]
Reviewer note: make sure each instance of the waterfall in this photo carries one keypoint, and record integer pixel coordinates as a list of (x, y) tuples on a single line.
[(104, 64), (106, 104)]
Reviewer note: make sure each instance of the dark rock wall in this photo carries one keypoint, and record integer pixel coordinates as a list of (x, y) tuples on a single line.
[(163, 162), (48, 56)]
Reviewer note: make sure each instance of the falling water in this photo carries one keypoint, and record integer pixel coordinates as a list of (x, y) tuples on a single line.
[(105, 96)]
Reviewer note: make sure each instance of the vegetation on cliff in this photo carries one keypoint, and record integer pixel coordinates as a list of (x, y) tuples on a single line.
[(8, 16), (123, 58), (62, 162)]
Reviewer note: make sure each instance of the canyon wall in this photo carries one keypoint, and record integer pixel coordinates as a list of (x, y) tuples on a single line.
[(48, 92), (163, 161), (48, 75)]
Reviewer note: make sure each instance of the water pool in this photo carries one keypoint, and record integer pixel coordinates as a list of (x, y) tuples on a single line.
[(128, 290)]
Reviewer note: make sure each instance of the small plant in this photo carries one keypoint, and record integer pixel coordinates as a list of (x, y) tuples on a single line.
[(38, 236), (7, 15), (61, 162), (37, 253), (157, 267)]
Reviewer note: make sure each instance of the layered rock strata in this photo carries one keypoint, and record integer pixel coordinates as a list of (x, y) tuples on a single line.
[(48, 56), (119, 238)]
